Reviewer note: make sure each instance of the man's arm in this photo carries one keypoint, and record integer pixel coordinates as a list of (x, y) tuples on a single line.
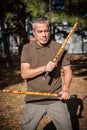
[(28, 72), (67, 81)]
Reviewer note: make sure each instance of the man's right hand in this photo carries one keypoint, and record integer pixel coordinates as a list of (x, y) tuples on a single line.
[(50, 66)]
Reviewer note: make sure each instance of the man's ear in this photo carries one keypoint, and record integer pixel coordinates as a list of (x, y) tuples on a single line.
[(33, 32)]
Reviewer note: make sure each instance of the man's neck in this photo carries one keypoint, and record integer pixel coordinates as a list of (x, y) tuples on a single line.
[(40, 44), (43, 45)]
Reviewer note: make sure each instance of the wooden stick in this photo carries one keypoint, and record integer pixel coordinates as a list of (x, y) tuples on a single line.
[(32, 93), (62, 47)]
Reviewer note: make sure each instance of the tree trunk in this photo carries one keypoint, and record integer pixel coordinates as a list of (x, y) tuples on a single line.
[(5, 37)]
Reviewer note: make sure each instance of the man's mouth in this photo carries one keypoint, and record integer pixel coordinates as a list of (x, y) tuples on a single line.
[(44, 39)]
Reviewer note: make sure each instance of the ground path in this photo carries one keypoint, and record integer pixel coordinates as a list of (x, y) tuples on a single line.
[(11, 105)]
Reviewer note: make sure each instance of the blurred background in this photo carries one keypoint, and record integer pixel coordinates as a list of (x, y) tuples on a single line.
[(17, 16), (16, 19)]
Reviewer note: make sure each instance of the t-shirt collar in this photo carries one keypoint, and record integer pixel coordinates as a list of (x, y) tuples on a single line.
[(38, 46)]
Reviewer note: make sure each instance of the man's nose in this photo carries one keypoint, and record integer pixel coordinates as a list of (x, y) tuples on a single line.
[(43, 33)]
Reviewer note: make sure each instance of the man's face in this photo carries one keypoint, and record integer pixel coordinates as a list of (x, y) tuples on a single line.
[(41, 33)]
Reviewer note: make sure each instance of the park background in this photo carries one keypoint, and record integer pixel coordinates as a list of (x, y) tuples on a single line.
[(16, 18)]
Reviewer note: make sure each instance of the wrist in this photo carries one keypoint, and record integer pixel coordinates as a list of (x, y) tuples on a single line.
[(66, 89), (44, 68)]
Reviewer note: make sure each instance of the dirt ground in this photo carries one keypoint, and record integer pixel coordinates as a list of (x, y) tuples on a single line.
[(11, 105)]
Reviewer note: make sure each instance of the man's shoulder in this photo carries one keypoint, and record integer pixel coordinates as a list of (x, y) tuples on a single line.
[(30, 44), (56, 44)]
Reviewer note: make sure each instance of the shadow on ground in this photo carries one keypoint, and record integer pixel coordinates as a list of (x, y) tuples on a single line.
[(75, 106), (11, 104), (9, 76), (79, 65)]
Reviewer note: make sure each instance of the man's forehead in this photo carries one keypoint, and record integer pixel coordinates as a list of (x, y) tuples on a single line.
[(41, 24)]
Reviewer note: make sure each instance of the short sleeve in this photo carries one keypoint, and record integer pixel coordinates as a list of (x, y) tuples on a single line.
[(65, 59), (25, 55)]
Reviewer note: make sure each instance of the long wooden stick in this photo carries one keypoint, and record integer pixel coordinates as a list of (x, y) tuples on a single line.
[(32, 93), (62, 47), (54, 60)]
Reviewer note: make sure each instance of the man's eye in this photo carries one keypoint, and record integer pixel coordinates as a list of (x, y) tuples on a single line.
[(43, 31), (39, 31), (46, 31)]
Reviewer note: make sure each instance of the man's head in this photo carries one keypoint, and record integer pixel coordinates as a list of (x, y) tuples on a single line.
[(41, 31)]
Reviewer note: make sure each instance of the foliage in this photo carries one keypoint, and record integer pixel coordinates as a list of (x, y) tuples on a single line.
[(78, 19), (60, 17), (57, 17), (36, 8)]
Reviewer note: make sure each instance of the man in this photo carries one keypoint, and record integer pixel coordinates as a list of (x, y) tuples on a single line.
[(36, 60)]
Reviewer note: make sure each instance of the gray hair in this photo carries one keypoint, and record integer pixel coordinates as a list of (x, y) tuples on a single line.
[(40, 20)]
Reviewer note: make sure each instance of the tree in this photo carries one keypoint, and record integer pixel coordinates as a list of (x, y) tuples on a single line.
[(13, 16), (5, 33), (14, 13), (36, 8)]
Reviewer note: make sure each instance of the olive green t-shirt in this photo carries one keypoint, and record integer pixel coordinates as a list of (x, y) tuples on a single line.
[(38, 56)]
